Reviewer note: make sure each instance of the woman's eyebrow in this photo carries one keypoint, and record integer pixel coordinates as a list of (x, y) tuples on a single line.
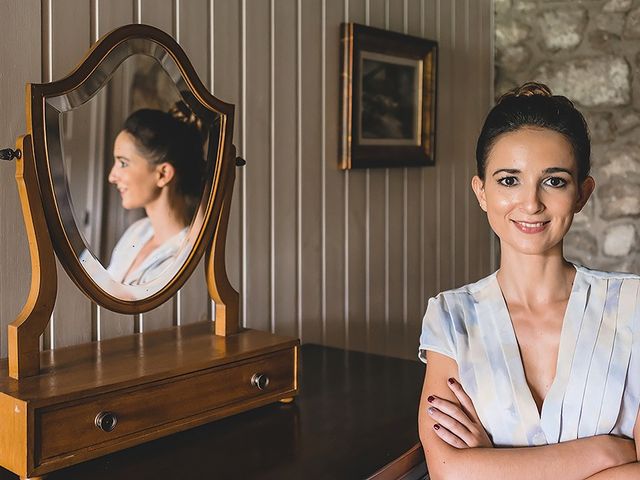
[(514, 171), (506, 170), (557, 170)]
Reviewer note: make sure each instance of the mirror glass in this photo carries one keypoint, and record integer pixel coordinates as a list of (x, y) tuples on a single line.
[(132, 155)]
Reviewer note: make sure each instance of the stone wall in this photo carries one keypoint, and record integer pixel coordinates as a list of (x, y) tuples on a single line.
[(590, 52)]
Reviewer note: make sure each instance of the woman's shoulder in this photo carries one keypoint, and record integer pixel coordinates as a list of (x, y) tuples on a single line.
[(606, 275), (472, 290)]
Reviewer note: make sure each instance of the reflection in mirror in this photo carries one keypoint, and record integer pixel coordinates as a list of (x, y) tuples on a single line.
[(134, 159)]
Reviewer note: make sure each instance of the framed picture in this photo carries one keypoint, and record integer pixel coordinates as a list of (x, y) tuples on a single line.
[(388, 101)]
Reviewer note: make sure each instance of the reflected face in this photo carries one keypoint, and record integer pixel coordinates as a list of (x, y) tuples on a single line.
[(531, 190), (135, 178)]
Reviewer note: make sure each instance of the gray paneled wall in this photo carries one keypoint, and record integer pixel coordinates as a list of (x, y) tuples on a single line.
[(341, 258)]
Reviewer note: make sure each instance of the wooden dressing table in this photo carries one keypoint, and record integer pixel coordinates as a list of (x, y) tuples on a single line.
[(355, 414)]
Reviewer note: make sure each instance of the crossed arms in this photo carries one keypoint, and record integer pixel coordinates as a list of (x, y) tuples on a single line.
[(459, 448)]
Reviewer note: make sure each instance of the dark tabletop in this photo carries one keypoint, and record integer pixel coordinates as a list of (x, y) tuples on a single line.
[(356, 412)]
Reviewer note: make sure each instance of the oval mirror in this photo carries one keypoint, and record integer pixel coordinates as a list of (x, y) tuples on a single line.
[(129, 164)]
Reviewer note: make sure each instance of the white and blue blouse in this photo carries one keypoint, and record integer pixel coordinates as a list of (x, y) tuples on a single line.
[(130, 244), (596, 389)]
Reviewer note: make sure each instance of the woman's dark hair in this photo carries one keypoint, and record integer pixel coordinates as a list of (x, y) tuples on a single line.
[(172, 137), (533, 105)]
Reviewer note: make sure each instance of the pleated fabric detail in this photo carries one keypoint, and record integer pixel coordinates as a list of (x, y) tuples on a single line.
[(596, 389)]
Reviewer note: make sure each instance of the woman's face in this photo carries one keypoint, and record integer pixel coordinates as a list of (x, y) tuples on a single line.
[(136, 179), (531, 191)]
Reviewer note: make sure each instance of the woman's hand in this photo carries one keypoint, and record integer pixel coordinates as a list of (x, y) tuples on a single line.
[(459, 427)]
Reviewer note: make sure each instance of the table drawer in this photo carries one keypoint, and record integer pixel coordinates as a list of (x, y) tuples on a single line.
[(72, 426)]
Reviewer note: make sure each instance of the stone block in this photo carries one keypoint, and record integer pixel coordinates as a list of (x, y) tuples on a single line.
[(605, 41), (580, 246), (632, 25), (610, 23), (620, 164), (562, 29), (617, 6), (600, 126), (513, 58), (619, 200), (501, 6), (511, 32), (592, 82), (627, 120), (619, 240)]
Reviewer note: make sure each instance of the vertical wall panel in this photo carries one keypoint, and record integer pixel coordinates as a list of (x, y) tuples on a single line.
[(226, 61), (257, 168), (283, 161), (376, 241), (21, 34), (158, 13), (334, 234), (342, 258), (356, 216), (69, 41), (459, 186), (395, 191), (412, 259), (310, 169), (429, 231)]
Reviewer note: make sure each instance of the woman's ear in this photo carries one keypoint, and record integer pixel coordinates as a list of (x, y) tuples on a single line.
[(478, 188), (165, 173), (585, 191)]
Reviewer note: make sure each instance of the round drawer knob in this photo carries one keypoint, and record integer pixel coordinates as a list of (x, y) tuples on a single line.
[(260, 380), (106, 421)]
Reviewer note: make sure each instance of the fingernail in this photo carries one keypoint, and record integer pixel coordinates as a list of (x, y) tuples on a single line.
[(436, 427), (451, 381), (430, 398), (430, 410)]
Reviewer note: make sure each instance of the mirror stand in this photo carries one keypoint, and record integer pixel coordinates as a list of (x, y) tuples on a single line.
[(64, 406)]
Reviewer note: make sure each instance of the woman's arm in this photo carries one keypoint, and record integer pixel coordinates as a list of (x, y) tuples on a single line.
[(630, 471), (577, 459)]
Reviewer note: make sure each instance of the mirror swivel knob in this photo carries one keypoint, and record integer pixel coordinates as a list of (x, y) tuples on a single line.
[(10, 154), (240, 162), (106, 421), (260, 380)]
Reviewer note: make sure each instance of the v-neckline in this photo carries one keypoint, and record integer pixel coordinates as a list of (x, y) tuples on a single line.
[(516, 369)]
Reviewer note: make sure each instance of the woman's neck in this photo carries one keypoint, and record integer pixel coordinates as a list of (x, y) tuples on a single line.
[(530, 280), (165, 220)]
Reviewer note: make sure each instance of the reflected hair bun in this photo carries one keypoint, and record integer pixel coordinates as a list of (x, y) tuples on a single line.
[(181, 112)]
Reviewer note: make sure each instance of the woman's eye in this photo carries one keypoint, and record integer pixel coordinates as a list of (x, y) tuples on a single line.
[(508, 181), (555, 182), (122, 163)]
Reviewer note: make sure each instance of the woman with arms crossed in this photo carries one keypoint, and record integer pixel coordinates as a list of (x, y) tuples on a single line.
[(534, 371)]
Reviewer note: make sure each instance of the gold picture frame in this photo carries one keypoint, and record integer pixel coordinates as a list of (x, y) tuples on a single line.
[(388, 101)]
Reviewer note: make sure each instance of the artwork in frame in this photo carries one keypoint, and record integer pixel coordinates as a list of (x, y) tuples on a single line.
[(388, 101)]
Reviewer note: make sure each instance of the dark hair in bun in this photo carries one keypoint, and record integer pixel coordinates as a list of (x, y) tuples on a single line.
[(533, 105), (172, 137)]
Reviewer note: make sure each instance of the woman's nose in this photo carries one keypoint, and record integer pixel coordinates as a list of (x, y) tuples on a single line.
[(112, 175), (531, 201)]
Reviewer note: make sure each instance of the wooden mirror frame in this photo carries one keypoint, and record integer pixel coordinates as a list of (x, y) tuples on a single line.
[(46, 232)]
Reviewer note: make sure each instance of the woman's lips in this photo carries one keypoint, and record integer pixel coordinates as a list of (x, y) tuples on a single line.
[(530, 227)]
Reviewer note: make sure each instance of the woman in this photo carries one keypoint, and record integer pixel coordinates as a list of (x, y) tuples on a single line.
[(542, 354), (158, 166)]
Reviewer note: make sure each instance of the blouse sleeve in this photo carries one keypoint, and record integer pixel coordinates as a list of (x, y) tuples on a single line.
[(437, 330)]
